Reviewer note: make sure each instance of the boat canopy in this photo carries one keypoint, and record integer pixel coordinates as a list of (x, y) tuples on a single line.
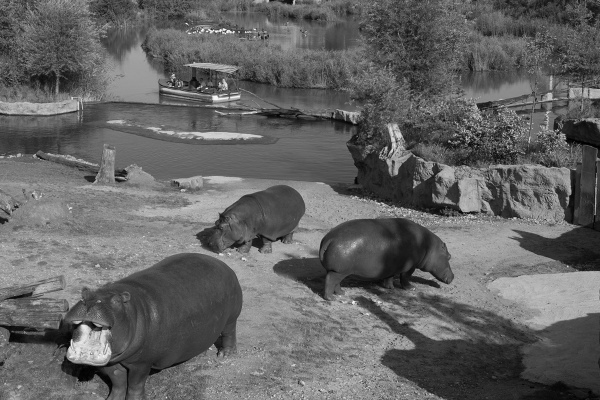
[(228, 69)]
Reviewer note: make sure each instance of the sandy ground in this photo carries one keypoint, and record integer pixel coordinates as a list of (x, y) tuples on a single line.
[(460, 341)]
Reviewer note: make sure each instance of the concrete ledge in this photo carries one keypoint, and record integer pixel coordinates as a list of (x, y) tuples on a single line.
[(26, 108)]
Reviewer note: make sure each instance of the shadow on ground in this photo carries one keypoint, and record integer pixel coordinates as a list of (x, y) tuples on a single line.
[(578, 247), (462, 350)]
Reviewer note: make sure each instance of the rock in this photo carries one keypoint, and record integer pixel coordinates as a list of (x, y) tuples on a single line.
[(41, 212), (346, 116), (585, 130), (522, 191), (193, 183), (8, 203), (135, 176)]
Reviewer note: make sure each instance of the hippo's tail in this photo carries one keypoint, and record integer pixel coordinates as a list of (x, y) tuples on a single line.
[(323, 251)]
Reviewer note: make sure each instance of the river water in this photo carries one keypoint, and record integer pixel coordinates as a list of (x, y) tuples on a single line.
[(305, 150)]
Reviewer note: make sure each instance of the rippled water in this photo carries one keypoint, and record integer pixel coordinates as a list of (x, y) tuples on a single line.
[(305, 150)]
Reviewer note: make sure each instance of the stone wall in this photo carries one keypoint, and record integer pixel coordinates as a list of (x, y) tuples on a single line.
[(522, 191)]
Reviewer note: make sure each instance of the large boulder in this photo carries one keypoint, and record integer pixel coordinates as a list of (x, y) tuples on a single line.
[(522, 191), (585, 130)]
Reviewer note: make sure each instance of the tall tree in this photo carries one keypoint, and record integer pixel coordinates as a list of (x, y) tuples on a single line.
[(59, 40), (419, 41)]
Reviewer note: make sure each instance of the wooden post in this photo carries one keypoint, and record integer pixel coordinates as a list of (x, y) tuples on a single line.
[(577, 195), (587, 197), (107, 166), (34, 289), (597, 218)]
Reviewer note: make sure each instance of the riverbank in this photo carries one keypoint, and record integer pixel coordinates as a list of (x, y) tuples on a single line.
[(461, 341)]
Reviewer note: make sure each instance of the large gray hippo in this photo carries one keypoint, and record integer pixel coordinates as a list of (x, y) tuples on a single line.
[(155, 318), (379, 249), (270, 214)]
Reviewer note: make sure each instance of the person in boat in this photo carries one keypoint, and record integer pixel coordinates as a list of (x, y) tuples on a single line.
[(193, 83), (201, 85), (173, 80), (223, 85)]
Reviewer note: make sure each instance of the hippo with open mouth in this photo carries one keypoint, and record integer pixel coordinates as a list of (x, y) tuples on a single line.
[(155, 318), (270, 214)]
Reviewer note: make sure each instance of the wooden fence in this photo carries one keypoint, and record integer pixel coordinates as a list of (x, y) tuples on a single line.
[(587, 190)]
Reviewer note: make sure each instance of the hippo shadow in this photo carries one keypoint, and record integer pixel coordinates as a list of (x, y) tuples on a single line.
[(578, 247), (311, 273)]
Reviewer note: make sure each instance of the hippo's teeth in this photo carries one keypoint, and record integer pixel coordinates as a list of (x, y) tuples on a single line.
[(97, 325), (76, 322)]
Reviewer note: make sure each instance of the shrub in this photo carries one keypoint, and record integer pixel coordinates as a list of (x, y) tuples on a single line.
[(490, 138)]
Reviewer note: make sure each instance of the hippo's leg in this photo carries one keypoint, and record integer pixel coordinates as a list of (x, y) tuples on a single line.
[(136, 382), (118, 379), (288, 239), (404, 279), (266, 247), (226, 344), (245, 247), (332, 284), (388, 283)]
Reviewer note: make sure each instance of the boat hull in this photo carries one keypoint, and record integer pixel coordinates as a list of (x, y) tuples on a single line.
[(208, 96)]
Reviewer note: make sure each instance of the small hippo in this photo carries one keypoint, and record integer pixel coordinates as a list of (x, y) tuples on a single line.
[(270, 214), (155, 318), (379, 249)]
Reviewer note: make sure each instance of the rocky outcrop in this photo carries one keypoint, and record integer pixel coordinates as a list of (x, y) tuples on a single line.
[(585, 130), (25, 108), (522, 191)]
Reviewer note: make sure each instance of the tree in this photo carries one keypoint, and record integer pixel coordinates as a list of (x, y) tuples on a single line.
[(419, 41), (580, 55), (59, 40)]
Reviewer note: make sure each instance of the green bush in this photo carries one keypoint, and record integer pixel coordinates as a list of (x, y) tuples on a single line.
[(489, 138)]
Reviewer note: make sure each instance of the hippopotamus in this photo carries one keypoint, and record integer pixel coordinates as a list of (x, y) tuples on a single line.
[(379, 249), (270, 214), (155, 318)]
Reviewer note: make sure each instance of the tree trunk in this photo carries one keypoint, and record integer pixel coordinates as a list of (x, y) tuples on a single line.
[(107, 166), (57, 83)]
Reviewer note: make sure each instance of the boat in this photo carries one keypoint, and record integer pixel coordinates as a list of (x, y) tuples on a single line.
[(210, 73)]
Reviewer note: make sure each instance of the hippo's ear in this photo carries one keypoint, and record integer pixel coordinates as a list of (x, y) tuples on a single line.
[(125, 296), (85, 293)]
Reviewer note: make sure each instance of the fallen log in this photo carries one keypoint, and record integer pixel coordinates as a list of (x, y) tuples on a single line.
[(82, 165)]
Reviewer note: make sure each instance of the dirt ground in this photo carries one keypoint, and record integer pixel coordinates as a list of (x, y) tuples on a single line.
[(458, 342)]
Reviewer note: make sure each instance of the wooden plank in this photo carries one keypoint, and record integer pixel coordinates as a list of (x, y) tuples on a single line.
[(34, 289), (79, 164), (587, 195), (576, 196), (29, 304), (597, 218), (33, 313), (32, 320)]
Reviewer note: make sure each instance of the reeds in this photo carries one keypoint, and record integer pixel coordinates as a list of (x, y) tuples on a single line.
[(259, 61)]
